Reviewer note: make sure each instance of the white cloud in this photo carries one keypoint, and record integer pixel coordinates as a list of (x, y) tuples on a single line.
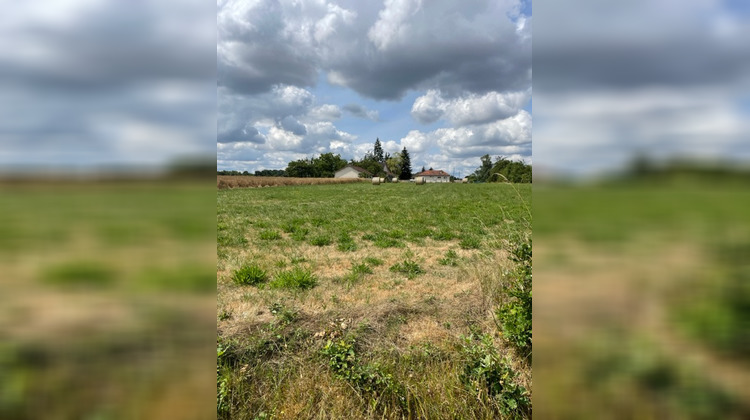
[(470, 108)]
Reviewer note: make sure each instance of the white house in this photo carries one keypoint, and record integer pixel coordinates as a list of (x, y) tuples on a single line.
[(434, 176), (351, 171)]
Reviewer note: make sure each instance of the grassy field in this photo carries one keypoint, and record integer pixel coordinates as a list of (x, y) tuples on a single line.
[(106, 299), (642, 297), (358, 301)]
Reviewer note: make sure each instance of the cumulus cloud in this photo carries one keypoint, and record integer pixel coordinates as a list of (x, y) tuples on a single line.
[(362, 112), (380, 53), (325, 112), (248, 133), (291, 124), (468, 109), (271, 54)]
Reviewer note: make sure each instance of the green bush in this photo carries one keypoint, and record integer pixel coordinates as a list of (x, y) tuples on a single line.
[(296, 278), (249, 275)]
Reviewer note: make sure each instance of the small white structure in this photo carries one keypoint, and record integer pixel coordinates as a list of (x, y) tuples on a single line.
[(350, 171), (434, 176)]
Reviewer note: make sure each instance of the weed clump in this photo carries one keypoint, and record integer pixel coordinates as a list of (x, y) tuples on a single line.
[(450, 259), (249, 275), (369, 379), (485, 373), (297, 278), (408, 267), (321, 240), (270, 235), (470, 242), (514, 315)]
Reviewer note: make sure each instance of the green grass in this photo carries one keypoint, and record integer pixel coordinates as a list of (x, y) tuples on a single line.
[(249, 275), (358, 212), (296, 278), (390, 353)]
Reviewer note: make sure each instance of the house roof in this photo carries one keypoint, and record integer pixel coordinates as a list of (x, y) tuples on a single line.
[(433, 173), (356, 168)]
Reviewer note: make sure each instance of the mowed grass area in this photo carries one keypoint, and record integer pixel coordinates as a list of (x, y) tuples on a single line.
[(642, 293), (358, 301), (106, 299)]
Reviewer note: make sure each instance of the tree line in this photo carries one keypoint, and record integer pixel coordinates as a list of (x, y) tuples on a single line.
[(384, 165), (502, 170), (376, 162)]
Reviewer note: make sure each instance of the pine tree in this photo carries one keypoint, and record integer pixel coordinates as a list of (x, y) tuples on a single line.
[(405, 165), (377, 151)]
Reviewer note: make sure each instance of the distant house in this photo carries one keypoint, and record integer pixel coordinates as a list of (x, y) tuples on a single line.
[(434, 176), (351, 171)]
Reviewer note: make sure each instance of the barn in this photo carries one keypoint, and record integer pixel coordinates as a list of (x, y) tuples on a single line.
[(351, 171), (434, 176)]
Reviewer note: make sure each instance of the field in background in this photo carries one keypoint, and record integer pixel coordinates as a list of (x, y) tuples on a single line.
[(237, 181), (359, 301), (106, 299), (642, 292)]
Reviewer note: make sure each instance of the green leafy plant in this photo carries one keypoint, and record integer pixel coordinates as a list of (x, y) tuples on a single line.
[(514, 315), (249, 275), (296, 278), (486, 373), (366, 378)]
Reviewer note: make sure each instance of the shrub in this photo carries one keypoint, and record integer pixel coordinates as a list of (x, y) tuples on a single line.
[(249, 275), (296, 278)]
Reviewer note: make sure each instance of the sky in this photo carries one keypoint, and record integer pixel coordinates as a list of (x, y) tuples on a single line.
[(449, 81), (90, 84), (662, 79)]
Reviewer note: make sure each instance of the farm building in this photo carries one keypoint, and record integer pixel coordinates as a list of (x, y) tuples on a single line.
[(435, 176), (351, 171)]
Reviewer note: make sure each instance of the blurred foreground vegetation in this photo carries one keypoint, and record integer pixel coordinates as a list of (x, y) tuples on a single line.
[(107, 298), (642, 298)]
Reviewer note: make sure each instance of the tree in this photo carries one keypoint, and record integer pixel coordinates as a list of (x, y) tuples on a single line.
[(394, 164), (327, 164), (423, 169), (377, 151), (483, 172), (405, 165)]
